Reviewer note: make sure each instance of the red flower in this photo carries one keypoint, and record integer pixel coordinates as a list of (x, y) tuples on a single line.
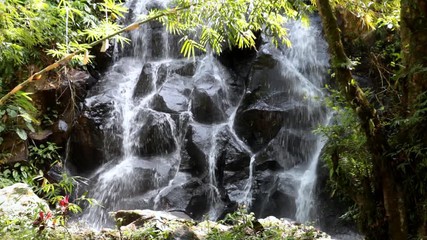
[(64, 202), (41, 220)]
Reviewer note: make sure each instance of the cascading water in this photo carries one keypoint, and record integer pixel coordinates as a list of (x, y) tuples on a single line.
[(168, 133), (304, 201)]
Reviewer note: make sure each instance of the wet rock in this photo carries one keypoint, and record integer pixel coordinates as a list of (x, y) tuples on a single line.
[(186, 68), (191, 197), (251, 124), (92, 138), (40, 135), (145, 82), (162, 74), (206, 108), (158, 47), (126, 217), (197, 140), (55, 173), (282, 153), (131, 184), (269, 200), (60, 132), (173, 96), (156, 136), (231, 152), (86, 146)]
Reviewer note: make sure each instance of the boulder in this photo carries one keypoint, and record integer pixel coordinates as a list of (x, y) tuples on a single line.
[(231, 154), (191, 197), (268, 200), (18, 201), (126, 217), (195, 151), (173, 95), (86, 146), (266, 74), (156, 136), (207, 108), (257, 125), (17, 149), (145, 82), (283, 152)]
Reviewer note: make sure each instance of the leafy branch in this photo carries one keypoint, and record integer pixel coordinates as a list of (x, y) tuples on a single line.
[(67, 58)]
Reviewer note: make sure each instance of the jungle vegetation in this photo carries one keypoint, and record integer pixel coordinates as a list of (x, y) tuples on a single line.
[(377, 150)]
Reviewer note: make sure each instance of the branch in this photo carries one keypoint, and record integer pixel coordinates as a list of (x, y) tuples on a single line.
[(68, 57)]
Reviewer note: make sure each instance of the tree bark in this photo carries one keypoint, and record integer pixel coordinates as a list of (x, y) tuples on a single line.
[(370, 121), (414, 48), (413, 34)]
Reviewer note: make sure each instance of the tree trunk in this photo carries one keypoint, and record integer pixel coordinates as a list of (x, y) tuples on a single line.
[(370, 121), (414, 48), (413, 33)]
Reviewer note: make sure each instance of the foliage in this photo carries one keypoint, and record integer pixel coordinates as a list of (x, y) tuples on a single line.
[(347, 156), (42, 154), (18, 116), (213, 25), (371, 14), (29, 27), (244, 225), (149, 232), (347, 141), (42, 158)]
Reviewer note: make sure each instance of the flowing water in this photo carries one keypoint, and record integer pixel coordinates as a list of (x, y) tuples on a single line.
[(198, 137)]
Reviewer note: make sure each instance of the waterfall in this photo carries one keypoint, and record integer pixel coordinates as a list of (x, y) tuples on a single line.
[(205, 135), (304, 201)]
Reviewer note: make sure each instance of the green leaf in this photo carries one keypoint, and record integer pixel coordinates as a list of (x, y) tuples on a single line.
[(21, 133), (29, 126), (12, 113)]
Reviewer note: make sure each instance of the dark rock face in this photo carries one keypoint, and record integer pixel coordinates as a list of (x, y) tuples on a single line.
[(87, 148), (155, 134), (251, 125), (282, 154), (172, 97), (224, 130), (206, 108), (231, 155), (91, 141), (269, 200), (192, 197), (145, 83), (194, 159)]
